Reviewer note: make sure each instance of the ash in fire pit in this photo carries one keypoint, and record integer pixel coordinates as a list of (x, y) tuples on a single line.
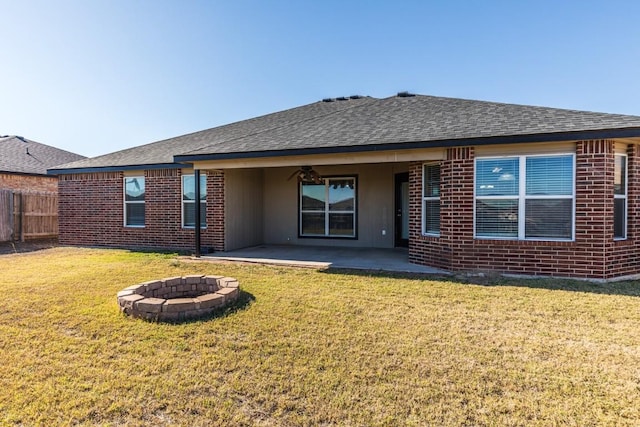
[(178, 298)]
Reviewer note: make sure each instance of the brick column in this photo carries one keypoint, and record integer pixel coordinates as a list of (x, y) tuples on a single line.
[(415, 201), (595, 164), (594, 191), (456, 204), (216, 214)]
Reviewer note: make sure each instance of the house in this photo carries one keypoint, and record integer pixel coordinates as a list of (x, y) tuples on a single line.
[(24, 164), (466, 185), (28, 196)]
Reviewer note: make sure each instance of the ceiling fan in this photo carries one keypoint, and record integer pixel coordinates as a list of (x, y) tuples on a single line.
[(307, 174)]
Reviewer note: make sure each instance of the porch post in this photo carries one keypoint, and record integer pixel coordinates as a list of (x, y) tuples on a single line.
[(196, 177)]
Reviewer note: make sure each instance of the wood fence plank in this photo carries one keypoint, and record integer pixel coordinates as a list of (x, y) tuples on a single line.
[(30, 215), (6, 215), (40, 215)]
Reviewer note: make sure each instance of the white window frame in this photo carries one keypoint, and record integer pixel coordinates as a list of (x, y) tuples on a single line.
[(426, 199), (128, 202), (522, 198), (184, 202), (327, 212), (623, 197)]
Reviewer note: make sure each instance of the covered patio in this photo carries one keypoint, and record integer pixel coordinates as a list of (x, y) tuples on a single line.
[(378, 259)]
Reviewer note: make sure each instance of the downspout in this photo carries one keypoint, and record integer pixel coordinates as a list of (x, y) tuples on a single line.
[(196, 177)]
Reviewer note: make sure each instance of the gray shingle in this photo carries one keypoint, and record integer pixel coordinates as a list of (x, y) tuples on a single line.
[(397, 120), (162, 152), (368, 122), (20, 155)]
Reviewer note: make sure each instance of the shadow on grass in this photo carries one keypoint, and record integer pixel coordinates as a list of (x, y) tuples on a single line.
[(385, 273), (624, 288), (28, 246), (244, 301)]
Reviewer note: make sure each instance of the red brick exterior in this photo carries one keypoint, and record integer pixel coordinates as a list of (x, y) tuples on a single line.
[(23, 182), (215, 214), (593, 254), (91, 212), (623, 258)]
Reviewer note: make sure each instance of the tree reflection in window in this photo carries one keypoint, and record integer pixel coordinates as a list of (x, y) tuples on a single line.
[(328, 209)]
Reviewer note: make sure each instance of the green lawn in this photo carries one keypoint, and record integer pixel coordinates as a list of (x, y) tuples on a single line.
[(312, 348)]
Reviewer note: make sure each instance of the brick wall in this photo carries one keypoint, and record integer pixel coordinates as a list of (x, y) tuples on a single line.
[(623, 257), (456, 211), (91, 212), (21, 182), (215, 216), (593, 254)]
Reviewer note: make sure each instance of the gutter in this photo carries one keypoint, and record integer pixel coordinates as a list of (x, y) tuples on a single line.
[(444, 143)]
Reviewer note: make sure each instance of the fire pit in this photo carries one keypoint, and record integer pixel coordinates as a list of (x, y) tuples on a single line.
[(178, 298)]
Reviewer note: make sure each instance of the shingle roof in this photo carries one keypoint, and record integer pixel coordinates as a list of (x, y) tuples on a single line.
[(369, 124), (398, 120), (20, 155), (163, 152)]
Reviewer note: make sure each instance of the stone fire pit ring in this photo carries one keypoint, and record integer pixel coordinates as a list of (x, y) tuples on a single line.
[(178, 298)]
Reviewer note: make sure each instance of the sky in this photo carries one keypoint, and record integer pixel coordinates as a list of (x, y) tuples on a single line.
[(97, 76)]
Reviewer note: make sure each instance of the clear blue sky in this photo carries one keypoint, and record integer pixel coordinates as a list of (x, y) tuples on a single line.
[(96, 76)]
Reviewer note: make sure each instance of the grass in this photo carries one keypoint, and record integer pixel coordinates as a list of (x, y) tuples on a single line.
[(309, 347)]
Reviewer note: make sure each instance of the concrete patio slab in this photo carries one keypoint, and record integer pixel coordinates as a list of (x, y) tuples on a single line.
[(392, 260)]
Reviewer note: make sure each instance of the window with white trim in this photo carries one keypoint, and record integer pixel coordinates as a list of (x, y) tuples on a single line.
[(328, 209), (189, 201), (431, 199), (134, 201), (525, 197), (620, 197)]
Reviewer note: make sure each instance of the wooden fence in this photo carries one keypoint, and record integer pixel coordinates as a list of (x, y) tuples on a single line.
[(6, 215), (28, 215)]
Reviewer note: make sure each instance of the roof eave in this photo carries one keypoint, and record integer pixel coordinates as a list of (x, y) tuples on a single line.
[(444, 143), (67, 171), (23, 173)]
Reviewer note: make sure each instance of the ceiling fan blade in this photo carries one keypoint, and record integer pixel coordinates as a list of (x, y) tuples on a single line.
[(294, 174)]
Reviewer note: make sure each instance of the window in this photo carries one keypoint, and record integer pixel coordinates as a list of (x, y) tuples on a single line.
[(328, 209), (525, 197), (189, 201), (620, 198), (431, 199), (134, 201)]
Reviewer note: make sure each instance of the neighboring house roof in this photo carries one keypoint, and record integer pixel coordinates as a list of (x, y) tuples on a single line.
[(20, 155), (368, 124)]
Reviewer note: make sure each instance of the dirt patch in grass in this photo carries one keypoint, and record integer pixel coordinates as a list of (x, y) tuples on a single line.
[(28, 246), (312, 348)]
